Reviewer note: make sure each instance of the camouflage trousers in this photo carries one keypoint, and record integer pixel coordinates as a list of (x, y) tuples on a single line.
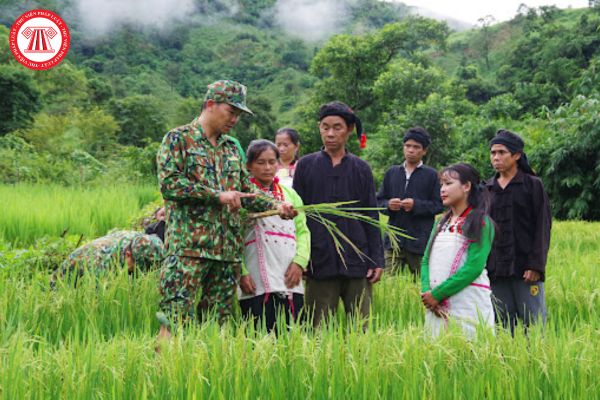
[(181, 278)]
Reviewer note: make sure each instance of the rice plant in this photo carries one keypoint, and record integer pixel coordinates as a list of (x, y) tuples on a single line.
[(33, 211), (97, 341)]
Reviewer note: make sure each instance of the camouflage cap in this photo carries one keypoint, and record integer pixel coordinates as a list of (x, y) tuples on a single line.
[(146, 251), (230, 92)]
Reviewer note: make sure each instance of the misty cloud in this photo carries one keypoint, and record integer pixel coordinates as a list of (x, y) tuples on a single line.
[(312, 19), (101, 16)]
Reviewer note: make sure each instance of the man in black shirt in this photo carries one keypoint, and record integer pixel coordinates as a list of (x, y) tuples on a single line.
[(334, 175), (521, 211), (410, 193)]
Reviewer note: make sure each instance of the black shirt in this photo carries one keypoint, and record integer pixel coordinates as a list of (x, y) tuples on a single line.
[(522, 214), (317, 181), (424, 188)]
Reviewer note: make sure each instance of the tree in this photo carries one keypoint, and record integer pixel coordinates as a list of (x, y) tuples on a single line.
[(260, 125), (486, 37), (64, 87), (139, 117), (478, 90), (20, 100), (405, 83), (568, 159), (349, 65)]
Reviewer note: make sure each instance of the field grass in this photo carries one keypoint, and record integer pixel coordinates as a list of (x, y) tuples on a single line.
[(97, 342), (33, 211)]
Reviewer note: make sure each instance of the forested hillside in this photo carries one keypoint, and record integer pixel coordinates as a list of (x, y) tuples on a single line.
[(99, 116)]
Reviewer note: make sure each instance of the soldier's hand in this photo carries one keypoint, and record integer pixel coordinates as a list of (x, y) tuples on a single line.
[(247, 284), (293, 275), (394, 204), (233, 199), (286, 210)]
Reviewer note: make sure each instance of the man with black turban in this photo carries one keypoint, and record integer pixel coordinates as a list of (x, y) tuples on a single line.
[(410, 194), (521, 210), (334, 175)]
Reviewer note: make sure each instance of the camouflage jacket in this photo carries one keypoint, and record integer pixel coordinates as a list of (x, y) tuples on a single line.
[(191, 173), (107, 251)]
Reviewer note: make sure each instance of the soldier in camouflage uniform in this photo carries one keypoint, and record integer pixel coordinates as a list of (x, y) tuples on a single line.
[(204, 183), (119, 248)]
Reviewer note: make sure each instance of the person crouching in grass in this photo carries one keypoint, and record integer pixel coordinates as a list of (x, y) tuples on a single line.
[(135, 251), (276, 251), (454, 281)]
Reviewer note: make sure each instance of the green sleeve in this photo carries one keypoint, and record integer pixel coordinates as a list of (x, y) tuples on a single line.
[(239, 146), (174, 183), (425, 263), (244, 270), (477, 254), (302, 232)]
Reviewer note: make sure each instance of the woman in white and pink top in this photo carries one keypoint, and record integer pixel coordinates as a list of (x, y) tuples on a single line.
[(276, 251)]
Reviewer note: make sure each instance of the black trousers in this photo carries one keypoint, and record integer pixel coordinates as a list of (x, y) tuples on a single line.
[(265, 308)]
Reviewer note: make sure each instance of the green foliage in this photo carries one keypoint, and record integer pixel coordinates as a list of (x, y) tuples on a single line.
[(97, 340), (548, 57), (251, 11), (405, 83), (568, 159), (20, 98), (5, 53), (477, 89), (44, 254), (139, 117), (133, 165), (259, 125), (504, 106), (93, 131), (18, 160), (64, 87), (350, 65)]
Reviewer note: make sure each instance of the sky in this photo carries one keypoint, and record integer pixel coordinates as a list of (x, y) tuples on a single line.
[(471, 10)]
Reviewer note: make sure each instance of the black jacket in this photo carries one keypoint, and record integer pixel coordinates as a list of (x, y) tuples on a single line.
[(424, 188), (521, 212), (317, 181)]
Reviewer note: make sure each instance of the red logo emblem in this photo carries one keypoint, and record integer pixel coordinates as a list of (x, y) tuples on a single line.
[(39, 39)]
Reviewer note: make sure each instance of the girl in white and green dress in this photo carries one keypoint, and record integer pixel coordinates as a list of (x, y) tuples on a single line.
[(454, 281)]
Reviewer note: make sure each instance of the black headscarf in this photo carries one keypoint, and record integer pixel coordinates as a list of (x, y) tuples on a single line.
[(514, 144), (344, 111), (419, 135)]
